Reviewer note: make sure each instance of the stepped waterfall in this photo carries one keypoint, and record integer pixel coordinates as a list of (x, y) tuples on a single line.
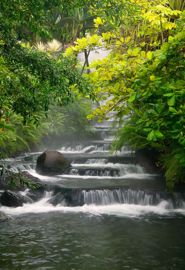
[(99, 178), (107, 212)]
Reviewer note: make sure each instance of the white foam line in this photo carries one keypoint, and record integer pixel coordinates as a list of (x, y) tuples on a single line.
[(70, 152), (104, 166), (89, 177), (80, 149), (126, 176), (99, 151), (121, 210), (43, 177)]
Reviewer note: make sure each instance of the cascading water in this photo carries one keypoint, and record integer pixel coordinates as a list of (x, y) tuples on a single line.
[(99, 178), (108, 212)]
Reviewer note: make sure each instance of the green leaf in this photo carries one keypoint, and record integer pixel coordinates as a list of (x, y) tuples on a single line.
[(158, 134), (154, 135), (171, 101), (132, 98), (168, 94), (172, 109), (151, 136)]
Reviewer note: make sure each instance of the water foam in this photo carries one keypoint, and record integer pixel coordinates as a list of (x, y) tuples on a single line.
[(120, 210), (105, 177)]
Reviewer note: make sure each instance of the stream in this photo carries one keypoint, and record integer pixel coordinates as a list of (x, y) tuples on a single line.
[(122, 217)]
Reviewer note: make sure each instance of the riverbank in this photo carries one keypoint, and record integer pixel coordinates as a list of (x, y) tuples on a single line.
[(68, 123)]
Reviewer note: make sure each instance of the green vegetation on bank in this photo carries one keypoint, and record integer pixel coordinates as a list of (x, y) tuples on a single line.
[(143, 76), (30, 83), (157, 108), (68, 123), (33, 83)]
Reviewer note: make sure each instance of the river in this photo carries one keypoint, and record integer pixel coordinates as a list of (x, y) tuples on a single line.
[(122, 218)]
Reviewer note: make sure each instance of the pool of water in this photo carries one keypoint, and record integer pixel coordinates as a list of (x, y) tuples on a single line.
[(85, 241)]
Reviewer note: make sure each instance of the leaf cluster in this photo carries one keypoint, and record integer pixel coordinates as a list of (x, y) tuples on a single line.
[(143, 76), (158, 107), (31, 80)]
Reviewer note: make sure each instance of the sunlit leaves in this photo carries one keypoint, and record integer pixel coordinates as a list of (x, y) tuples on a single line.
[(154, 135), (98, 21), (143, 76), (107, 36), (81, 44), (171, 101)]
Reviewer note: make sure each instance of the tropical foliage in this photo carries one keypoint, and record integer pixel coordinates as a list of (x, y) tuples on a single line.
[(143, 75), (32, 81)]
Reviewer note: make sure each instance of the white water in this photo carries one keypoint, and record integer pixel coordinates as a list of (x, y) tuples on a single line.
[(88, 177), (125, 171), (99, 202), (43, 177), (106, 176), (121, 210), (106, 197), (125, 168), (77, 149)]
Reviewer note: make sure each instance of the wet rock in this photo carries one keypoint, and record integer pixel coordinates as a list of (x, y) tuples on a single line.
[(36, 187), (51, 163), (59, 198), (13, 199), (19, 181), (11, 180), (32, 180), (36, 195), (148, 158), (74, 198), (68, 197)]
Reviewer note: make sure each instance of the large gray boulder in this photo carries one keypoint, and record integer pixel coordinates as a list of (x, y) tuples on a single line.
[(52, 162), (13, 199)]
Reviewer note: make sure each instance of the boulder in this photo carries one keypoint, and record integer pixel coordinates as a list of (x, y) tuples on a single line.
[(51, 163), (20, 181), (36, 187), (13, 199)]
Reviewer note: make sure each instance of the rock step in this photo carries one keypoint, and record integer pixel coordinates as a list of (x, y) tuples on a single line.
[(101, 142), (100, 133), (104, 127), (107, 169), (72, 197), (92, 183), (79, 158)]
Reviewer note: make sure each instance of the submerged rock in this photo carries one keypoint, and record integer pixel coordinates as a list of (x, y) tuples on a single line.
[(3, 217), (68, 197), (51, 163)]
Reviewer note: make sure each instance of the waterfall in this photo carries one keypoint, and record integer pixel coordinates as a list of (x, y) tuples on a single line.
[(138, 197), (98, 181)]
